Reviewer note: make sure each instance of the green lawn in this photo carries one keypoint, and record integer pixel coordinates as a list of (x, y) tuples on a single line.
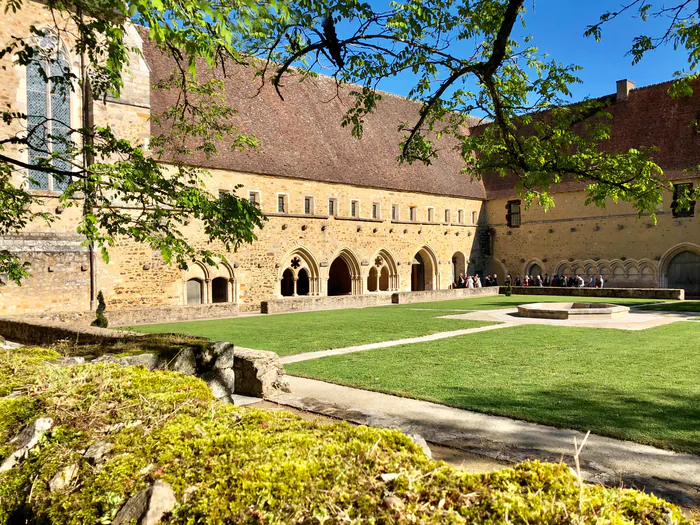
[(289, 334), (677, 306), (638, 385), (501, 301)]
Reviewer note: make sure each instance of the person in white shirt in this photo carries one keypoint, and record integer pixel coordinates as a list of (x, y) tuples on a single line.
[(470, 282), (477, 282)]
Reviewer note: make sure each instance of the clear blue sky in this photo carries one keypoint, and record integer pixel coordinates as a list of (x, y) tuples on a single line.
[(558, 26)]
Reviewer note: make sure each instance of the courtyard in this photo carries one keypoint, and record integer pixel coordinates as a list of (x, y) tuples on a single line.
[(638, 383)]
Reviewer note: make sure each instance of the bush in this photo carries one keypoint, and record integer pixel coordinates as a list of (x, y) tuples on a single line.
[(101, 320), (232, 465)]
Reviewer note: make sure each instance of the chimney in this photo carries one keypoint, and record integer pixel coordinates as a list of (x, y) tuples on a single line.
[(623, 89)]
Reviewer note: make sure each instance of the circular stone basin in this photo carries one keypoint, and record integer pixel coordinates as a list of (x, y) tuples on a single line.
[(582, 311)]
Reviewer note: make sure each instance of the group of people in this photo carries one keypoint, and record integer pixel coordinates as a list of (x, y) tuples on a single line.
[(563, 281), (474, 281)]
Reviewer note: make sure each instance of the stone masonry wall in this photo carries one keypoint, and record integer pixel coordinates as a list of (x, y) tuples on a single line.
[(574, 238)]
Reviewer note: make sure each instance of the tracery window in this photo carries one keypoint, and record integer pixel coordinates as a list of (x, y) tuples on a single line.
[(48, 113)]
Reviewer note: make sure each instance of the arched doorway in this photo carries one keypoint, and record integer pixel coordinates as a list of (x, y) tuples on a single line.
[(458, 266), (424, 271), (684, 272), (339, 278), (219, 290), (384, 280), (194, 291), (373, 280), (287, 284), (303, 282), (535, 270)]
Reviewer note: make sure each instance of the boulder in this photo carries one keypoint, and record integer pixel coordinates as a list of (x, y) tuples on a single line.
[(224, 353), (150, 361), (222, 383), (70, 361), (148, 506), (26, 441), (63, 478), (97, 451), (185, 362), (109, 359), (258, 372)]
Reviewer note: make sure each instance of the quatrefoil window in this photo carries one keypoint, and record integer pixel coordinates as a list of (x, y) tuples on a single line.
[(296, 262), (378, 262)]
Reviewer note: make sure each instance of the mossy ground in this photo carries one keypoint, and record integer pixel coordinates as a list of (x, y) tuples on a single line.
[(231, 465)]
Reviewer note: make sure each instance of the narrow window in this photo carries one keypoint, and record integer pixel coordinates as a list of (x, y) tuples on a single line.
[(447, 216), (354, 208), (48, 118), (375, 210), (282, 203), (680, 192), (395, 212), (308, 205), (430, 214), (513, 215), (332, 207), (460, 216), (254, 198), (474, 217), (412, 213), (222, 193)]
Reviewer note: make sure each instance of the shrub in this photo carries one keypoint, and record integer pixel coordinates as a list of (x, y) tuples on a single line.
[(232, 465), (100, 321)]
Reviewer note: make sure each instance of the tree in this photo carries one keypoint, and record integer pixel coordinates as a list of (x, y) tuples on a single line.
[(466, 56), (124, 191)]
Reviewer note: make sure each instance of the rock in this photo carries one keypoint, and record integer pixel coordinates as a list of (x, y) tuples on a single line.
[(70, 361), (224, 355), (148, 506), (258, 372), (422, 443), (63, 478), (188, 492), (392, 502), (109, 359), (222, 383), (185, 362), (26, 441), (150, 361), (97, 451)]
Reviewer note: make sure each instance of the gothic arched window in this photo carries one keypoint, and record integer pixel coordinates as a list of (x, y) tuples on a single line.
[(48, 113)]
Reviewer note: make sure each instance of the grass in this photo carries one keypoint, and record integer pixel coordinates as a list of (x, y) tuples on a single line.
[(636, 385), (290, 334), (679, 306), (501, 301)]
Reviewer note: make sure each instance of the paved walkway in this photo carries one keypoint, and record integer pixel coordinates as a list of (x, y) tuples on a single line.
[(607, 460), (386, 344)]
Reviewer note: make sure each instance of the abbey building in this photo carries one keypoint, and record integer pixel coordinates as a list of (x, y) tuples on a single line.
[(345, 218)]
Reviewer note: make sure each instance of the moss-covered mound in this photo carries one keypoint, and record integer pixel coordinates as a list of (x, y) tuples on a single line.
[(230, 465)]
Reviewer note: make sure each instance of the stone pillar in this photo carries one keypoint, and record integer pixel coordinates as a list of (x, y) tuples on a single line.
[(206, 299), (294, 288)]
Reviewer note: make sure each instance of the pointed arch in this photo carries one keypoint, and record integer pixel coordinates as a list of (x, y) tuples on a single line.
[(532, 264), (344, 274), (294, 261), (666, 280), (387, 271), (425, 274)]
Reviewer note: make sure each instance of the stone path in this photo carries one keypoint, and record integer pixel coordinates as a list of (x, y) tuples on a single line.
[(387, 344), (669, 474)]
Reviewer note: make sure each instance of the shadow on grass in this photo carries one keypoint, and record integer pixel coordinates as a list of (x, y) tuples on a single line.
[(663, 418)]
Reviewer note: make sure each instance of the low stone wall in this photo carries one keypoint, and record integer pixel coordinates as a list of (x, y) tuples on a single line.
[(141, 315), (311, 302), (35, 332), (676, 294), (441, 295)]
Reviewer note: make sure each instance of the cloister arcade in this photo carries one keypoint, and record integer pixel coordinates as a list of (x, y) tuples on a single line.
[(208, 284)]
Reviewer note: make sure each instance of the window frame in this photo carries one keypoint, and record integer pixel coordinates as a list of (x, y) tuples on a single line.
[(376, 210), (460, 216), (413, 213), (395, 212), (285, 203), (510, 216), (690, 212), (333, 201), (430, 214), (355, 208), (257, 198), (312, 205), (475, 217)]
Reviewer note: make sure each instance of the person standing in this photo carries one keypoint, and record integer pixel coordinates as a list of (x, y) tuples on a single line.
[(538, 281), (494, 280), (547, 280), (477, 281), (470, 282), (601, 282)]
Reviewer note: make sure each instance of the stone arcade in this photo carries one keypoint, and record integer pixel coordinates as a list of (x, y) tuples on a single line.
[(345, 219)]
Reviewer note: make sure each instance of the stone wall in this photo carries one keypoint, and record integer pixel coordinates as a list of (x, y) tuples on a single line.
[(617, 293), (442, 295), (574, 238), (296, 304), (34, 332)]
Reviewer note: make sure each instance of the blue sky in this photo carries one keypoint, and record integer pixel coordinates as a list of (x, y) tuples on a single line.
[(558, 26)]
